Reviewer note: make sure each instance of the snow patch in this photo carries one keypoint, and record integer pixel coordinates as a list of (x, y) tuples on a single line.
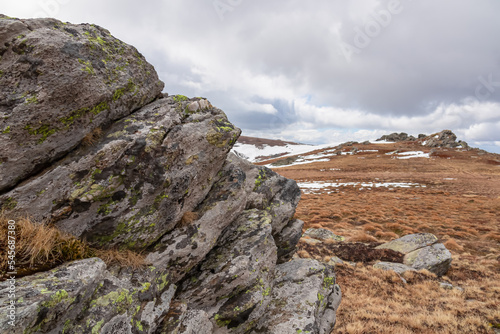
[(314, 187), (252, 151)]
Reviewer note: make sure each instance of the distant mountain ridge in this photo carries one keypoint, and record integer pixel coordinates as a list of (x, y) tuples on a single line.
[(260, 142)]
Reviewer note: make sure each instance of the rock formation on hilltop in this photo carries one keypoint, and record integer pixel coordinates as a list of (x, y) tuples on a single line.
[(445, 138), (89, 143)]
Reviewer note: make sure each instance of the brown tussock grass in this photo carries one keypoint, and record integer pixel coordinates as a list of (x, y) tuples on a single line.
[(386, 235), (41, 247), (363, 237), (370, 228), (188, 218), (92, 137), (304, 254), (452, 244), (493, 236), (123, 258), (378, 301)]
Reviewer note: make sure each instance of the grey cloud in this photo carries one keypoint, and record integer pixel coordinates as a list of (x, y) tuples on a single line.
[(431, 55)]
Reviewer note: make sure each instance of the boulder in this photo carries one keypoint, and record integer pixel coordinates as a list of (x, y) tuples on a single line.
[(395, 137), (136, 183), (322, 234), (334, 260), (445, 138), (59, 82), (239, 185), (399, 268), (410, 242), (435, 258), (421, 252), (285, 161)]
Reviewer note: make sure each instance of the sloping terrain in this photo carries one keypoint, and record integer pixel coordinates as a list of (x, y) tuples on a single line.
[(260, 149), (376, 192)]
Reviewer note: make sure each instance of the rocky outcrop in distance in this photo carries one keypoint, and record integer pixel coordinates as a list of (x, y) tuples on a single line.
[(89, 143), (445, 139)]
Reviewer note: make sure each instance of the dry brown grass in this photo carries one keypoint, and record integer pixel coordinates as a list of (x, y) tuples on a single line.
[(123, 258), (92, 137), (363, 237), (188, 218), (460, 205), (377, 301), (452, 244), (40, 247)]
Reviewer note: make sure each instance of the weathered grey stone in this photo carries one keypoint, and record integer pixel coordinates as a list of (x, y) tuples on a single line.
[(287, 240), (233, 190), (445, 138), (304, 298), (232, 285), (449, 286), (137, 182), (125, 301), (399, 268), (48, 301), (410, 242), (311, 241), (204, 104), (335, 260), (322, 234), (186, 246), (198, 105), (59, 82), (395, 137), (82, 297), (273, 193), (181, 320), (435, 258)]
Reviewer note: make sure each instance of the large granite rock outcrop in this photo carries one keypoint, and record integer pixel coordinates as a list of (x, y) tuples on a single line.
[(109, 159), (59, 82), (137, 181), (443, 139), (396, 137)]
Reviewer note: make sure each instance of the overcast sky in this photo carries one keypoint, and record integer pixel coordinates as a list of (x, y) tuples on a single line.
[(318, 71)]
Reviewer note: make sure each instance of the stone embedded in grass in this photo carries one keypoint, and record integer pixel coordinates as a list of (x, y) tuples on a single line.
[(448, 286), (422, 252), (322, 234), (335, 260), (285, 161), (410, 242), (435, 258), (397, 267)]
